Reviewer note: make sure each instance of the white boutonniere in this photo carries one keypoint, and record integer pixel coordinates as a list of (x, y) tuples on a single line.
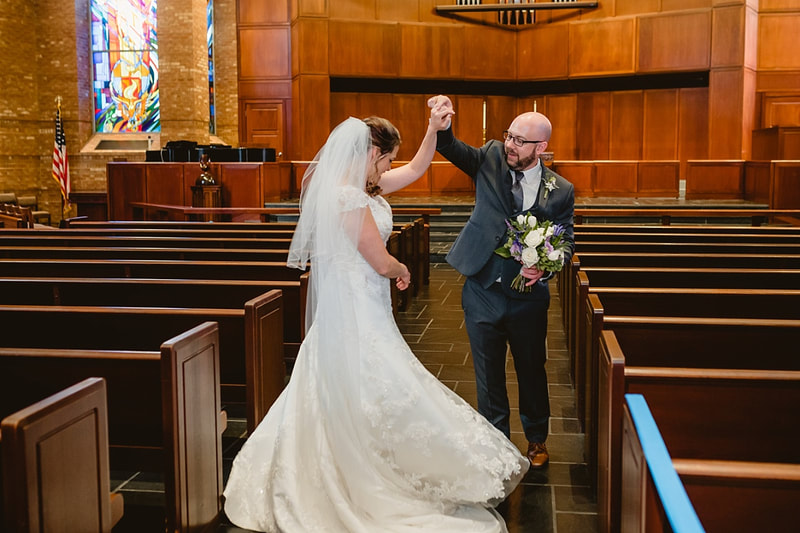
[(549, 184)]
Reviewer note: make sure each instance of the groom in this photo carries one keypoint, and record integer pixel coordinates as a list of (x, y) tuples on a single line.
[(509, 179)]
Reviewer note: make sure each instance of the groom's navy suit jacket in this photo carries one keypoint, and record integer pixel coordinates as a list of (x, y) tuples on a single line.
[(472, 254)]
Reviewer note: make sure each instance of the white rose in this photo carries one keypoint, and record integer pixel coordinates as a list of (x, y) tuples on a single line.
[(556, 255), (549, 232), (530, 257), (531, 221), (534, 238), (520, 219)]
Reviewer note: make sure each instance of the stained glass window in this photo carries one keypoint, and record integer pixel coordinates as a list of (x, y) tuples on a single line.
[(212, 114), (125, 66)]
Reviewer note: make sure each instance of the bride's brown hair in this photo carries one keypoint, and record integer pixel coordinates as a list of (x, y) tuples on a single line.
[(385, 136)]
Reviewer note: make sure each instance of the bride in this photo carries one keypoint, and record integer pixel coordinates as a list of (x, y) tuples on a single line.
[(364, 438)]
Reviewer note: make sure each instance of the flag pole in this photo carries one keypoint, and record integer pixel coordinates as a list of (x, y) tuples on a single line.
[(60, 161)]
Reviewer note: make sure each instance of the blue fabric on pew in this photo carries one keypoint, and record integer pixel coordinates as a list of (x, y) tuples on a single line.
[(677, 506)]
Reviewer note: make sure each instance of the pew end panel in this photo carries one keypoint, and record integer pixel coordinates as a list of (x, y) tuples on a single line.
[(193, 428), (56, 464), (588, 346), (610, 398), (576, 335), (266, 369)]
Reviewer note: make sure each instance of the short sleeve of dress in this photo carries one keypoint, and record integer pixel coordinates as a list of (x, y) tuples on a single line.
[(352, 198)]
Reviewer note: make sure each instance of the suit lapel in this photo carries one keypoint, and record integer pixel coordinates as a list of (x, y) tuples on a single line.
[(543, 199)]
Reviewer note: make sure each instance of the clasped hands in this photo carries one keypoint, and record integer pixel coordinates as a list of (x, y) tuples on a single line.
[(441, 112)]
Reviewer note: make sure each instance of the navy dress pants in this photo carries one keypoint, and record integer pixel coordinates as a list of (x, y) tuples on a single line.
[(494, 322)]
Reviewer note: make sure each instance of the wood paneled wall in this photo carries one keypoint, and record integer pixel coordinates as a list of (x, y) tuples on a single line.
[(295, 47)]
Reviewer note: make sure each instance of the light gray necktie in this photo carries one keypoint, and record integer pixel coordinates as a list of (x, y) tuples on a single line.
[(516, 190)]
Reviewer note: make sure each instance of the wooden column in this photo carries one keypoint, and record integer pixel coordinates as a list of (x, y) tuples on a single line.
[(732, 83), (311, 94)]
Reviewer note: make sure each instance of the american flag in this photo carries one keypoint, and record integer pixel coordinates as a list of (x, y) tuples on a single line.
[(60, 163)]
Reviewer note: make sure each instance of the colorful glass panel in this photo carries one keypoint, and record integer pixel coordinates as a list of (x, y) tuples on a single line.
[(212, 114), (125, 66)]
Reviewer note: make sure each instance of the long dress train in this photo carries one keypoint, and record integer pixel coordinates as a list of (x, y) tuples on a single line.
[(372, 442)]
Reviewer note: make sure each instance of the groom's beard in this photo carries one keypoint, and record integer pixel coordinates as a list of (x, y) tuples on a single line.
[(520, 164)]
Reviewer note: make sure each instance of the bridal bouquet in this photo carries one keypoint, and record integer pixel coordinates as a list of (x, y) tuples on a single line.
[(533, 243)]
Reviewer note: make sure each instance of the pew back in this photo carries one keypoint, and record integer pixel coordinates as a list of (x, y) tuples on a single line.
[(43, 492)]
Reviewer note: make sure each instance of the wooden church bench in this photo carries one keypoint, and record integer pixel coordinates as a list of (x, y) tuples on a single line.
[(164, 411), (43, 492), (703, 413), (252, 368), (153, 292)]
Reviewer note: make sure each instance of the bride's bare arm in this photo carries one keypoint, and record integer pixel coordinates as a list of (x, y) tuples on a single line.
[(397, 178), (373, 249)]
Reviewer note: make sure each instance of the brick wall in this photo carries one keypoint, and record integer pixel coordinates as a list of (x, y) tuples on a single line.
[(49, 43)]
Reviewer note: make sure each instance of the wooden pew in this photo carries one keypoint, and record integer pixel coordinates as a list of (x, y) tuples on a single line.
[(756, 216), (149, 268), (14, 216), (703, 413), (659, 492), (152, 292), (653, 497), (63, 238), (608, 306), (742, 496), (677, 258), (698, 228), (43, 492), (164, 411), (420, 232), (645, 278), (256, 231), (250, 339), (697, 338), (143, 253), (685, 237)]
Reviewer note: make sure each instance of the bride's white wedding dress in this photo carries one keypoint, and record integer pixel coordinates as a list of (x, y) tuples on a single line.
[(370, 441)]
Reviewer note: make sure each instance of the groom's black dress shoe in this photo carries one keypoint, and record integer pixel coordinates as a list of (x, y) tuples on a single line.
[(537, 454)]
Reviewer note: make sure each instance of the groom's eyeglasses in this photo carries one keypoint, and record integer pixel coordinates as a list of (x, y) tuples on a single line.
[(516, 140)]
